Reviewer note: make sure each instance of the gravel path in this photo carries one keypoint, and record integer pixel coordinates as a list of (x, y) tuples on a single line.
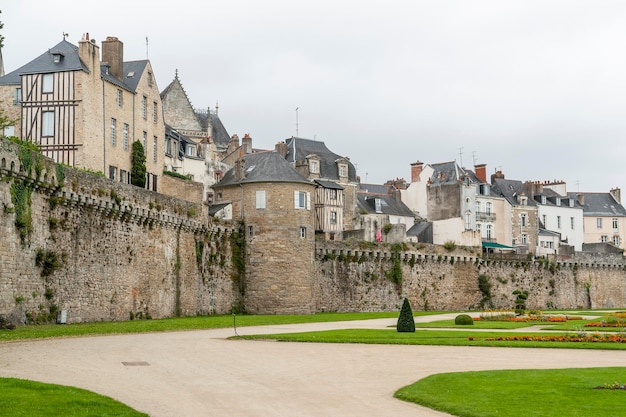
[(200, 373)]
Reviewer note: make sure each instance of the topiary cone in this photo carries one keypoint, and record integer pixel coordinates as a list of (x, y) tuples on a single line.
[(406, 323)]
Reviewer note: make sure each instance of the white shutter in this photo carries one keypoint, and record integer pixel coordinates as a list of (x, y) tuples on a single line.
[(296, 195), (308, 201)]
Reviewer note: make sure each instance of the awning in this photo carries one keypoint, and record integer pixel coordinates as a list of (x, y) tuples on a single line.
[(495, 245)]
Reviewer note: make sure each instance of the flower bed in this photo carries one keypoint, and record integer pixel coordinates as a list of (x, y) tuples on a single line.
[(593, 338)]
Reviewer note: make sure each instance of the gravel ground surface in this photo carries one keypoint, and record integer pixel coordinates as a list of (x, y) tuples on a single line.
[(201, 373)]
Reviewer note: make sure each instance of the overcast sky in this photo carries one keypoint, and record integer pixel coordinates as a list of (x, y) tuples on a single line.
[(535, 88)]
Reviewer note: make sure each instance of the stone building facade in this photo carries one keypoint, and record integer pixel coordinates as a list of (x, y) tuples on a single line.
[(86, 112)]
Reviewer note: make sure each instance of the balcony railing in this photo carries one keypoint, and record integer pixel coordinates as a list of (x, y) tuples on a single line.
[(485, 217)]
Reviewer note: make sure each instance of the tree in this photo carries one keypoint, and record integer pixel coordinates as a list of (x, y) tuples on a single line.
[(1, 36), (138, 165), (406, 323)]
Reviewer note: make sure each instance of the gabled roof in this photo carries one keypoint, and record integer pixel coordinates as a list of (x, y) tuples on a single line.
[(44, 63), (298, 149), (510, 189), (133, 71), (389, 205), (373, 189), (418, 228), (263, 167), (600, 204)]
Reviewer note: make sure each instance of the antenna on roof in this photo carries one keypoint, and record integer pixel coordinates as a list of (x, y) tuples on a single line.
[(146, 47), (474, 157), (297, 121), (65, 35), (461, 156)]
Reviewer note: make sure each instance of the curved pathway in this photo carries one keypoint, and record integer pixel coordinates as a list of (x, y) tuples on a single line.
[(200, 373)]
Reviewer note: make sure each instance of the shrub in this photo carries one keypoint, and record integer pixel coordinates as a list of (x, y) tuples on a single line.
[(406, 323), (449, 245), (463, 320), (138, 165)]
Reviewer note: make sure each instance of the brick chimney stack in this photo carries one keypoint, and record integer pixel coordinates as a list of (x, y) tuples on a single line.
[(481, 172), (617, 195), (89, 53), (416, 170), (113, 56)]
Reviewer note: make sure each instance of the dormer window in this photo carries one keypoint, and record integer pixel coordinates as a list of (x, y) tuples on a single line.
[(343, 170), (378, 204), (558, 201), (523, 201), (543, 199), (57, 57), (314, 166)]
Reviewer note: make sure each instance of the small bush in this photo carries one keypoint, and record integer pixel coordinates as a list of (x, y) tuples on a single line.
[(406, 323), (449, 245), (463, 320)]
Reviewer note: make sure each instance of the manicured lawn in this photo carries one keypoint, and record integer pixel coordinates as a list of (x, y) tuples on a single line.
[(517, 393), (182, 323), (22, 398), (430, 337)]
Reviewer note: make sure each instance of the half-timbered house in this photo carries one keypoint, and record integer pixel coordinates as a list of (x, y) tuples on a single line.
[(86, 112)]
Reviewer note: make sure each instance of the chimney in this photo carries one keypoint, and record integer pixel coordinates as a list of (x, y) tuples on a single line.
[(529, 187), (113, 55), (246, 142), (481, 172), (416, 170), (498, 175), (89, 54), (233, 144), (281, 148), (617, 195), (581, 199), (240, 169)]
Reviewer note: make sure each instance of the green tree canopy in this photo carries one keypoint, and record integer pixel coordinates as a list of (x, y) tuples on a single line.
[(138, 165)]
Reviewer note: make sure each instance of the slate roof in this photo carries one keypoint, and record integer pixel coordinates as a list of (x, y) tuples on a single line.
[(263, 167), (298, 149), (389, 205), (329, 184), (136, 67), (510, 189), (215, 208), (373, 189), (418, 228), (447, 173), (600, 204), (44, 63)]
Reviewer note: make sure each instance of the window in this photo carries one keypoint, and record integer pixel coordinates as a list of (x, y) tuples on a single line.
[(543, 199), (468, 221), (332, 193), (479, 228), (616, 240), (126, 127), (144, 107), (544, 220), (489, 231), (558, 201), (524, 219), (168, 146), (378, 204), (302, 200), (599, 223), (123, 176), (478, 207), (112, 172), (149, 79), (113, 125), (145, 140), (604, 239), (524, 238), (343, 170), (571, 223), (303, 232), (548, 244), (615, 225), (18, 96), (260, 199), (154, 111), (488, 208), (118, 98), (250, 231), (558, 222), (191, 150), (48, 83), (47, 123), (314, 167), (333, 217), (154, 149)]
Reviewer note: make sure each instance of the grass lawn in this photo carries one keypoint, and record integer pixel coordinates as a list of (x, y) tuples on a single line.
[(517, 393), (180, 323), (34, 399)]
